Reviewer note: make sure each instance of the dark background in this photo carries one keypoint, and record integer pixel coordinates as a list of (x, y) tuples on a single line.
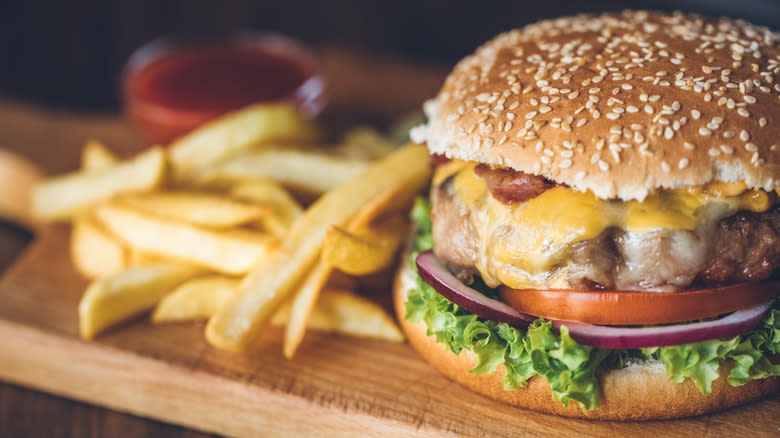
[(69, 53)]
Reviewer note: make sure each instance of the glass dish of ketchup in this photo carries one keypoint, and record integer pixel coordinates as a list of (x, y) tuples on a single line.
[(170, 87)]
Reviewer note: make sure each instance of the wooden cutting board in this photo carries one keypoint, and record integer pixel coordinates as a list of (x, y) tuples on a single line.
[(335, 384)]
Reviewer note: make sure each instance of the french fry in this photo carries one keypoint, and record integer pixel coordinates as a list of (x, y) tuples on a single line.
[(365, 251), (196, 208), (235, 133), (305, 171), (113, 299), (231, 252), (302, 306), (345, 312), (64, 196), (304, 300), (273, 281), (15, 200), (336, 310), (270, 193), (198, 298), (95, 252), (96, 155), (140, 258), (365, 143)]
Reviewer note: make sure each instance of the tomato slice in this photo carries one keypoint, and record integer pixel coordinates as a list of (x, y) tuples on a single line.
[(630, 307)]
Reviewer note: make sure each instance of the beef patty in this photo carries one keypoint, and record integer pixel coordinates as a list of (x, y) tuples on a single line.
[(741, 247)]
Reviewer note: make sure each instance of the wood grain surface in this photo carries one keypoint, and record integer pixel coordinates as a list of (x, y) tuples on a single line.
[(336, 385)]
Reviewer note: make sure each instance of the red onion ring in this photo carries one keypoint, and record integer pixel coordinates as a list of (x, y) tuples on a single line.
[(441, 279), (737, 323)]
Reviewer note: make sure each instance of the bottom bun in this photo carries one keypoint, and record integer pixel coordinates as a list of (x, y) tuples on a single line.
[(639, 391)]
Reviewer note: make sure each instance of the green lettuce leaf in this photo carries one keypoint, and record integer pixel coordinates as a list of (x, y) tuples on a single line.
[(571, 368)]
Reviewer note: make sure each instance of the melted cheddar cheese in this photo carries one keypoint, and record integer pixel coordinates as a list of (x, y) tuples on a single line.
[(561, 217)]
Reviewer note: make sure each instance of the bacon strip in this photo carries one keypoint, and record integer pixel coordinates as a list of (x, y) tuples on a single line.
[(438, 160), (509, 186)]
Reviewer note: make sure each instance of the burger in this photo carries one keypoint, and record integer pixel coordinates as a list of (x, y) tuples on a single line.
[(601, 235)]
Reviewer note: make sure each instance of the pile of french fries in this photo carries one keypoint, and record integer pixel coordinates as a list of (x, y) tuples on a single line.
[(211, 228)]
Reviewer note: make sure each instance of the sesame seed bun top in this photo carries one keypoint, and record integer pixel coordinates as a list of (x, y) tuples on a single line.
[(619, 104)]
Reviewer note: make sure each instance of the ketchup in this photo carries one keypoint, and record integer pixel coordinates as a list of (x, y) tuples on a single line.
[(171, 89)]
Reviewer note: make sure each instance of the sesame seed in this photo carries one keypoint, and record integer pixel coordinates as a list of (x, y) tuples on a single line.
[(695, 114), (744, 136), (762, 122), (704, 131), (714, 152), (544, 109), (728, 150), (684, 162), (654, 98), (545, 159), (743, 112), (668, 133), (665, 166), (603, 165), (751, 147), (565, 164), (689, 146), (531, 115)]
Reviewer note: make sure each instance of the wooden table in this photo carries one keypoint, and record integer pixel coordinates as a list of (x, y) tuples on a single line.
[(412, 399)]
